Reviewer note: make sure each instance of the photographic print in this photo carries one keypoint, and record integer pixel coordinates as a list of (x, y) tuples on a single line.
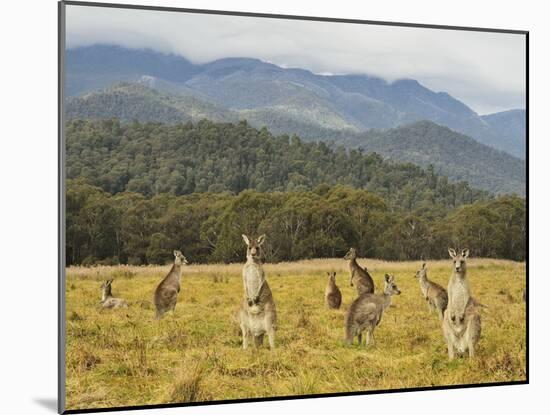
[(258, 207)]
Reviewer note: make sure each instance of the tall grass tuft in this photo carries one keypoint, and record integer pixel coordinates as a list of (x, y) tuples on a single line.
[(187, 385)]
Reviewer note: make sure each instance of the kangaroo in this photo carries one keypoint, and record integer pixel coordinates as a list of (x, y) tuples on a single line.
[(166, 293), (258, 315), (366, 312), (434, 294), (333, 296), (461, 320), (359, 276), (107, 299)]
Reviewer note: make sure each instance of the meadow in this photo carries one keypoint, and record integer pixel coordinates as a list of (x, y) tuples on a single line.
[(124, 357)]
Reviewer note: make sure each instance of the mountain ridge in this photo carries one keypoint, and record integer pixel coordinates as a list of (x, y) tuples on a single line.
[(361, 102)]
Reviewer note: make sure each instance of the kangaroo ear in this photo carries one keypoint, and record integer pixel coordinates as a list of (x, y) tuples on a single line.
[(424, 265), (452, 252), (387, 277), (465, 252), (261, 240), (175, 253), (245, 239)]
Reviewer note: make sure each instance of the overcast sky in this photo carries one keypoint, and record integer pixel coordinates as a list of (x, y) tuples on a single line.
[(484, 70)]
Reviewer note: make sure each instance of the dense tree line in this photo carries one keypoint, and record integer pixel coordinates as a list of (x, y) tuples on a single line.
[(181, 159), (129, 227)]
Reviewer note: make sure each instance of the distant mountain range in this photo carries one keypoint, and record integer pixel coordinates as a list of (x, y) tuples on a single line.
[(288, 100), (402, 121)]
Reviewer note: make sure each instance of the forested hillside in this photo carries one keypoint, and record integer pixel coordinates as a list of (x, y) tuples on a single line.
[(323, 222), (137, 190), (453, 154), (153, 158), (508, 126), (135, 101), (421, 143)]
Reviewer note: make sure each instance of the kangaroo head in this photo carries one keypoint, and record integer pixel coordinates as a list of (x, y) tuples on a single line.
[(390, 288), (332, 276), (253, 246), (459, 260), (352, 254), (179, 258), (421, 273)]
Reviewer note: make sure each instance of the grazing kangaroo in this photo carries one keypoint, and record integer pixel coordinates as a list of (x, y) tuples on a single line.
[(257, 315), (434, 294), (107, 299), (166, 294), (366, 312), (359, 276), (461, 321), (333, 296)]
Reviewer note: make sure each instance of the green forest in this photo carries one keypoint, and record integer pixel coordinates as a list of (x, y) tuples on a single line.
[(136, 191), (133, 228), (155, 158), (423, 143)]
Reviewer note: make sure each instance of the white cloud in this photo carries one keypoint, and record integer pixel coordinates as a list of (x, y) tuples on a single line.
[(485, 70)]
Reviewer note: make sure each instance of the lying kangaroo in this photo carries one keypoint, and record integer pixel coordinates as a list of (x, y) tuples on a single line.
[(107, 299), (359, 276), (258, 315), (461, 321), (333, 296), (166, 294), (366, 312), (434, 294)]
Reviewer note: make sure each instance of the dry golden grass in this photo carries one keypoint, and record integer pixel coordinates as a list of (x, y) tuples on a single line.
[(125, 357)]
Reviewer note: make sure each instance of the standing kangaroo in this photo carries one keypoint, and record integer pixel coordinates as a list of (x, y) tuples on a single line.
[(434, 294), (257, 315), (333, 296), (461, 321), (359, 276), (166, 294), (366, 312), (107, 299)]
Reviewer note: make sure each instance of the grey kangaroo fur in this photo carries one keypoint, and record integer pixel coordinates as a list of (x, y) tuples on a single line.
[(107, 299), (365, 313), (166, 293), (434, 294), (333, 296), (359, 277), (257, 315), (462, 320)]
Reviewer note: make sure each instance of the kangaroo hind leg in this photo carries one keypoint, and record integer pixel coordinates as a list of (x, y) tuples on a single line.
[(244, 331), (271, 337)]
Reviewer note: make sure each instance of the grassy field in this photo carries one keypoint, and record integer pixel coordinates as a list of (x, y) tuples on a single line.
[(125, 357)]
